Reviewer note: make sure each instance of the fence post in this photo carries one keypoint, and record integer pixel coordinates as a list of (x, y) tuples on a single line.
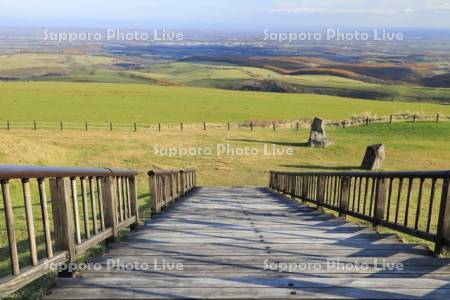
[(414, 118), (228, 125), (8, 127), (274, 126), (61, 125), (437, 117), (343, 124), (204, 125), (135, 127), (343, 197), (380, 201), (110, 126), (181, 126), (298, 126), (86, 126), (390, 119), (34, 125), (251, 126), (320, 190), (159, 126), (367, 121), (63, 220), (443, 229), (110, 206)]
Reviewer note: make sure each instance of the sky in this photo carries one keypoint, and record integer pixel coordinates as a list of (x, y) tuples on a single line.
[(227, 14)]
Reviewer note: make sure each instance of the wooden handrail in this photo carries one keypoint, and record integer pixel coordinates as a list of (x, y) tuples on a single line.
[(104, 191), (405, 201), (168, 185)]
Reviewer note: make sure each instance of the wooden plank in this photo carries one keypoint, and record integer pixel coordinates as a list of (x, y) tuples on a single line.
[(224, 238), (10, 284)]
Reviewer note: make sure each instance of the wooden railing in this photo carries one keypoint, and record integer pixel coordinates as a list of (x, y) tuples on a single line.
[(415, 203), (88, 206), (168, 185)]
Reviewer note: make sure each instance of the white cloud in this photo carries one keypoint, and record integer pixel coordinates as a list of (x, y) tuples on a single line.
[(369, 7)]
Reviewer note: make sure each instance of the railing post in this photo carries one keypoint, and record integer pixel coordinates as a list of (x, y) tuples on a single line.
[(63, 220), (153, 193), (182, 182), (343, 197), (134, 200), (110, 206), (443, 230), (380, 201), (320, 190)]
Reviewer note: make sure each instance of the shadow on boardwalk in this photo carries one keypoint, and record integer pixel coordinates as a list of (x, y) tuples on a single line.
[(252, 243)]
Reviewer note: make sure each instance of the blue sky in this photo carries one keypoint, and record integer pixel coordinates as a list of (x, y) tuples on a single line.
[(227, 14)]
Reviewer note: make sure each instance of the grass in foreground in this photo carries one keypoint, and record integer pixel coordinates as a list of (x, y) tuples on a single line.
[(419, 146)]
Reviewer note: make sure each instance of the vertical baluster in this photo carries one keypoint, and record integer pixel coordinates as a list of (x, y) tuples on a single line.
[(372, 197), (389, 200), (127, 185), (336, 188), (44, 212), (366, 191), (430, 207), (419, 203), (399, 196), (76, 215), (354, 194), (93, 204), (408, 201), (9, 219), (87, 232), (30, 221), (124, 199), (359, 193), (119, 198), (100, 203)]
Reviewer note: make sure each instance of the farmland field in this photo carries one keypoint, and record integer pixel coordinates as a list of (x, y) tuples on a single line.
[(79, 102), (102, 68)]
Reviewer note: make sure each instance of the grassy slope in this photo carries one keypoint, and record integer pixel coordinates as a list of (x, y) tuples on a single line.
[(409, 146), (197, 74), (25, 101), (90, 68)]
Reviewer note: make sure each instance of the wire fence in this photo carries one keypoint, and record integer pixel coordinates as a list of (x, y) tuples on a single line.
[(250, 125)]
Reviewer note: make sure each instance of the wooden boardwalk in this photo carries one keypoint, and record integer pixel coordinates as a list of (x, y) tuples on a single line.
[(228, 242)]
